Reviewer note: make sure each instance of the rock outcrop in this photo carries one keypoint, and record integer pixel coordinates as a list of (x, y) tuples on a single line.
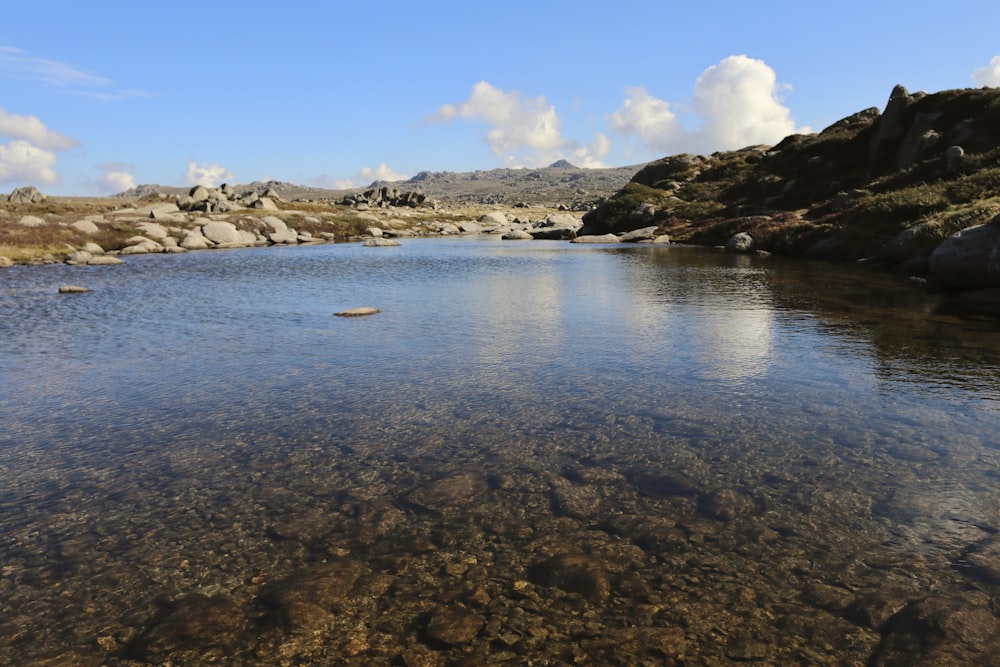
[(26, 195)]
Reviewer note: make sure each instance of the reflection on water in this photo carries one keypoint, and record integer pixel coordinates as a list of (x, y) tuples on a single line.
[(536, 452)]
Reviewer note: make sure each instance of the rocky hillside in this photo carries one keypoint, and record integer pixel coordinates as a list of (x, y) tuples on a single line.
[(886, 187), (561, 184)]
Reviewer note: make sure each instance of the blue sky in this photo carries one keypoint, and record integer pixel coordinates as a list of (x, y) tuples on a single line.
[(97, 96)]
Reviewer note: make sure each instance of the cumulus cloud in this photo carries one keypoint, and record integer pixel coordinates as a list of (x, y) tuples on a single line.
[(380, 173), (522, 129), (209, 175), (737, 103), (989, 75), (23, 162), (362, 179), (592, 155), (117, 177), (30, 153), (31, 129), (647, 118)]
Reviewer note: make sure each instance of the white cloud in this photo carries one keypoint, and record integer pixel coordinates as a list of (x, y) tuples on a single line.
[(592, 155), (522, 128), (209, 175), (381, 173), (739, 99), (738, 103), (362, 179), (30, 129), (989, 75), (19, 64), (649, 119), (23, 162), (117, 177), (30, 154)]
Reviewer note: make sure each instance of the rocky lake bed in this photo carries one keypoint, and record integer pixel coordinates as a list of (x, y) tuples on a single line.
[(545, 431)]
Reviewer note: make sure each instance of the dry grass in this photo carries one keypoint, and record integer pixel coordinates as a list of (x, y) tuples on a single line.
[(57, 240)]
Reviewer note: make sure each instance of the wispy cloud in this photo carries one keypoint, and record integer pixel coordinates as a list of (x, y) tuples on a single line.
[(19, 64)]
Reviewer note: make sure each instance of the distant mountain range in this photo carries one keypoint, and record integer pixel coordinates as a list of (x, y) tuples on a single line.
[(561, 183)]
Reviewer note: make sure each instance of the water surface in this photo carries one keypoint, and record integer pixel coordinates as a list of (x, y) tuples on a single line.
[(614, 454)]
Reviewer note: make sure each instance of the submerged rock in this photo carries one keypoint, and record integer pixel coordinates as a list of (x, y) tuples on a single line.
[(198, 627), (357, 312), (575, 573), (939, 631), (458, 490), (454, 624)]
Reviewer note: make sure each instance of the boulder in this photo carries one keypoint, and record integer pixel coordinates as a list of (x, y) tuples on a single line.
[(6, 262), (139, 245), (374, 231), (470, 227), (380, 243), (26, 195), (31, 221), (969, 259), (636, 235), (101, 260), (157, 211), (78, 257), (195, 241), (84, 227), (358, 312), (517, 235), (953, 156), (495, 218), (596, 238), (221, 232), (278, 231), (917, 241), (264, 203), (93, 248), (557, 226), (152, 230), (662, 238), (740, 243)]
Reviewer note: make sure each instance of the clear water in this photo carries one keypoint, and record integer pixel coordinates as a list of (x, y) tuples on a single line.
[(156, 430)]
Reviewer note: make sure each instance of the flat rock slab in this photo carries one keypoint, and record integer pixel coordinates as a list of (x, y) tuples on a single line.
[(73, 289), (357, 312)]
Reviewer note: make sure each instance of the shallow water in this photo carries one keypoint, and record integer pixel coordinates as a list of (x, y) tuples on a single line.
[(741, 453)]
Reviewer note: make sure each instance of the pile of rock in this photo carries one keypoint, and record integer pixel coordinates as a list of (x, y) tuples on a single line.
[(26, 195), (559, 226), (224, 199), (385, 197)]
